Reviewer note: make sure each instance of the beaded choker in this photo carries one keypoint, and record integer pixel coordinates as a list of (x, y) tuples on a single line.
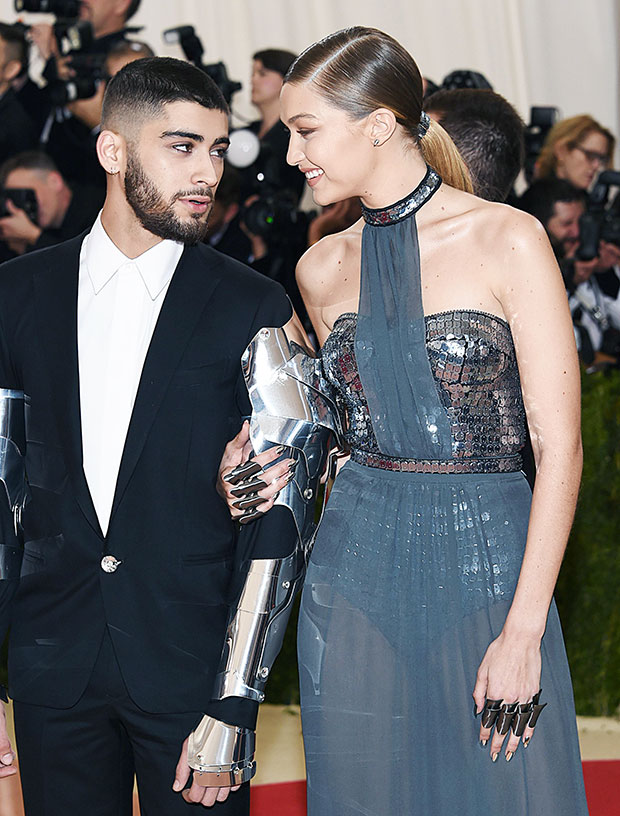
[(406, 206)]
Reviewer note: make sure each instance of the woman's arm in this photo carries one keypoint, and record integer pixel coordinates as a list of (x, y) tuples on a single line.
[(530, 289)]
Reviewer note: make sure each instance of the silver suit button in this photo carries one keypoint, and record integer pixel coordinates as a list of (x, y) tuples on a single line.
[(109, 563)]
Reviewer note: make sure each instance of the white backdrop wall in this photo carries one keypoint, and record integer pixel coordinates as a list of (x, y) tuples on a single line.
[(534, 52)]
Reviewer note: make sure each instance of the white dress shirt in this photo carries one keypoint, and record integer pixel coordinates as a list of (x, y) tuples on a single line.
[(119, 300)]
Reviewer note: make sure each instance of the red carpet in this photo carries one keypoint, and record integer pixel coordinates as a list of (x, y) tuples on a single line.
[(282, 799), (602, 787), (602, 779)]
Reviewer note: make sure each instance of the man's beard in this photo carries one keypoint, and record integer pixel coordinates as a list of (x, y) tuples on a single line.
[(158, 216)]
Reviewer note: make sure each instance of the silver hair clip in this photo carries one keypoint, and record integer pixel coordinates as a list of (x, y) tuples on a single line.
[(424, 125)]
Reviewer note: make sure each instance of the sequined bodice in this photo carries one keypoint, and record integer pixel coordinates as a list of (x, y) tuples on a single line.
[(473, 363)]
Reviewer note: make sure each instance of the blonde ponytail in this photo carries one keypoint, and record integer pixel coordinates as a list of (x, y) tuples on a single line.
[(443, 156)]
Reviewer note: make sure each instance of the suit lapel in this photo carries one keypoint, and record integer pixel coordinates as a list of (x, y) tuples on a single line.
[(56, 288), (191, 288)]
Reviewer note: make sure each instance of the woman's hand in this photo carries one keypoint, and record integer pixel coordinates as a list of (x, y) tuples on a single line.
[(269, 480), (509, 672)]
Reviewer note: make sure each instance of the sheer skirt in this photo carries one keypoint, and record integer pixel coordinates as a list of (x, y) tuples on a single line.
[(411, 578)]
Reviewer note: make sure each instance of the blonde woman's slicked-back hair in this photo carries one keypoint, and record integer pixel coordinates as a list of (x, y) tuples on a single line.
[(361, 69)]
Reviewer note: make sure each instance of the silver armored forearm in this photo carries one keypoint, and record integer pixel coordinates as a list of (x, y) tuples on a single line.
[(290, 410), (12, 473)]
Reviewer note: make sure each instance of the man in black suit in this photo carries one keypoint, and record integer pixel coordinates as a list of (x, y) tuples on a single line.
[(127, 344)]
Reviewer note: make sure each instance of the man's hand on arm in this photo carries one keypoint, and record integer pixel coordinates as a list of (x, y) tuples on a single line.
[(6, 752), (196, 794)]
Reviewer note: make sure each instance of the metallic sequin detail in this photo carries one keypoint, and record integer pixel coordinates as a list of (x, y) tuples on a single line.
[(473, 362), (406, 206), (502, 464)]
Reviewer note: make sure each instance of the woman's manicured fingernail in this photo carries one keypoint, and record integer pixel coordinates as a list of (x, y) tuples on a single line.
[(280, 449), (509, 756), (526, 742), (483, 742), (494, 757)]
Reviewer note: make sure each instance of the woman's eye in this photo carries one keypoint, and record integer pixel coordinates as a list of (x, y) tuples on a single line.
[(304, 133)]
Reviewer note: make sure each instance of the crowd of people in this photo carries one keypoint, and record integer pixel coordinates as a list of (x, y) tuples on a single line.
[(430, 581), (49, 148)]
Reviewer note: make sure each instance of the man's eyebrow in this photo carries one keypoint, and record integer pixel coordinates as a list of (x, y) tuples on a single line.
[(182, 134), (301, 116), (223, 140)]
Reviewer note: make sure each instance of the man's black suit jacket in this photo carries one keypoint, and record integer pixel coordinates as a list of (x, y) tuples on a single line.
[(166, 604)]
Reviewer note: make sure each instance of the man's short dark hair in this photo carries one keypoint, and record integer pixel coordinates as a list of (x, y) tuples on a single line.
[(28, 160), (488, 132), (17, 47), (540, 199), (132, 8), (276, 59), (141, 89)]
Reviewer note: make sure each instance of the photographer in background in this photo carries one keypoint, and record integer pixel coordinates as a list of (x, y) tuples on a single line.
[(68, 136), (559, 206), (576, 150), (270, 168), (223, 230), (488, 132), (63, 211), (17, 131), (88, 111)]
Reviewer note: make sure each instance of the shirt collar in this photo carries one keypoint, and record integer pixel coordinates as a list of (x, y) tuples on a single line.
[(103, 260)]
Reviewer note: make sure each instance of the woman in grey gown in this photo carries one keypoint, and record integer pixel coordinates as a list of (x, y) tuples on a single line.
[(443, 323)]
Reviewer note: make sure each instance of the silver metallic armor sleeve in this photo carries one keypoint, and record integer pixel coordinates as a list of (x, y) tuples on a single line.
[(288, 409), (12, 474)]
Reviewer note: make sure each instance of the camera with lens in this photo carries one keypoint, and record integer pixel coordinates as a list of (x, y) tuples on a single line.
[(25, 199), (75, 38), (62, 9), (272, 215), (601, 220), (193, 49)]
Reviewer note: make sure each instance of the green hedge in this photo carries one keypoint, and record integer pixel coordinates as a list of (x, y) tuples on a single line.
[(588, 592)]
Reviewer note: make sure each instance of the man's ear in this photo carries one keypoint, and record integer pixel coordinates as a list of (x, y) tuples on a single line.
[(11, 70), (380, 126), (111, 151), (55, 180)]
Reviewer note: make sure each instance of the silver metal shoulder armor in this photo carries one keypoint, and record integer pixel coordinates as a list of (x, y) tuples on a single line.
[(288, 409), (12, 472)]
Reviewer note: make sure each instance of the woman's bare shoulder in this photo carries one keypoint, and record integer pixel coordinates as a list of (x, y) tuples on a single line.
[(328, 260)]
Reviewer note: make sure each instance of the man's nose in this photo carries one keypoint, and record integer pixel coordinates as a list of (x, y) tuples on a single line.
[(206, 173)]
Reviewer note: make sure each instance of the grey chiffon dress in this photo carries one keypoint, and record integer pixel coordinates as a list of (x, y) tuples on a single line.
[(417, 559)]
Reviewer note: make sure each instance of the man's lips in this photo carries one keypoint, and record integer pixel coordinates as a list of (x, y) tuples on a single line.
[(197, 203)]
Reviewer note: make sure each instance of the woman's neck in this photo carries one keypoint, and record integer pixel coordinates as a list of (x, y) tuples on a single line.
[(393, 176)]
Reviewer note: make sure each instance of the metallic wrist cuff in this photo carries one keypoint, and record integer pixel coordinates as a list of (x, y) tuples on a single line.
[(221, 755)]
